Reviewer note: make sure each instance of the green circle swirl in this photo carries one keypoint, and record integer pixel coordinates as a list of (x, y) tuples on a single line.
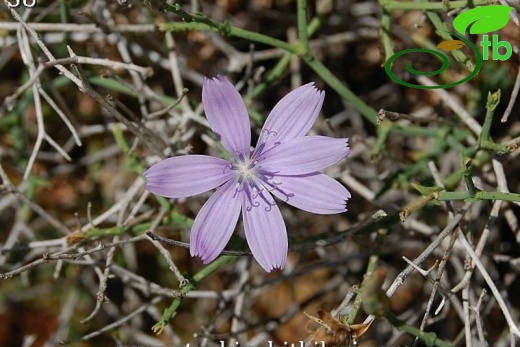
[(445, 64)]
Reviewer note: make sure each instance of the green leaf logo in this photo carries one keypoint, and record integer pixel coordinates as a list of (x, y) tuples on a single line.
[(482, 19)]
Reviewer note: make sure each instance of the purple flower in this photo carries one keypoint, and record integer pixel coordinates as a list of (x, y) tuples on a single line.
[(285, 163)]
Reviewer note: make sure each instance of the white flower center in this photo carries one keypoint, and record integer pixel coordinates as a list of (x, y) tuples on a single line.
[(255, 182), (245, 169)]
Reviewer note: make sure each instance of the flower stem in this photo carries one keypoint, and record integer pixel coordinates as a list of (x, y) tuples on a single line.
[(368, 112), (385, 34), (371, 267), (479, 195), (199, 22), (429, 338), (281, 65), (484, 140), (302, 26), (171, 311)]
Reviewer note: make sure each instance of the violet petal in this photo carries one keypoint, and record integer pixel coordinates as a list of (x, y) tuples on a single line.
[(316, 193), (304, 155), (187, 175), (265, 232), (215, 223), (294, 114), (227, 115)]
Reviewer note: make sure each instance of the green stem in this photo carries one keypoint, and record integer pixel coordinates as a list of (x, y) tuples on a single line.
[(199, 22), (484, 140), (371, 267), (173, 218), (480, 159), (385, 34), (383, 130), (443, 31), (468, 180), (281, 65), (368, 112), (480, 195), (171, 311), (428, 337), (302, 26), (273, 75)]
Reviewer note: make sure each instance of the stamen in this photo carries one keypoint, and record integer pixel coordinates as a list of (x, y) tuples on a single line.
[(248, 195), (240, 156), (264, 198), (273, 185), (251, 197), (230, 166), (265, 136), (263, 177), (259, 148), (255, 194), (285, 194)]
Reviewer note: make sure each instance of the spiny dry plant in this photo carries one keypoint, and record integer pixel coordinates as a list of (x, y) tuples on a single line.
[(94, 92)]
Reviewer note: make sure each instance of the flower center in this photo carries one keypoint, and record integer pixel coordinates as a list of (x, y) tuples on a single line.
[(255, 182), (245, 169)]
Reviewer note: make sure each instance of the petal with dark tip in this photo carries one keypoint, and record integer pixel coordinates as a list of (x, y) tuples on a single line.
[(188, 175), (316, 193), (294, 114), (304, 155), (215, 223), (265, 232), (227, 115)]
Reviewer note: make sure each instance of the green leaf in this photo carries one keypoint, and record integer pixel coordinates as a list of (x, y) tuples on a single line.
[(424, 190), (483, 19)]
